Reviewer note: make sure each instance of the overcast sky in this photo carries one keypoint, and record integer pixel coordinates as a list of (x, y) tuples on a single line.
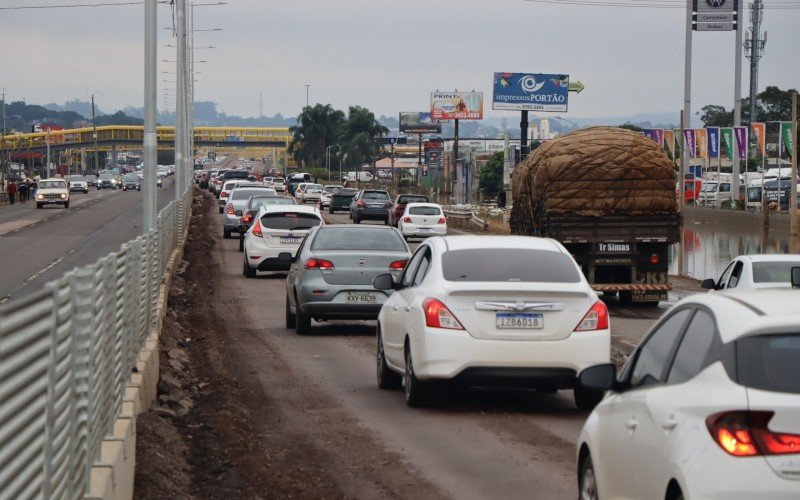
[(386, 56)]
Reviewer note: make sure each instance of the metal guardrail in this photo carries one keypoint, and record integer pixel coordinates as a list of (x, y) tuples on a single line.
[(467, 215), (66, 354)]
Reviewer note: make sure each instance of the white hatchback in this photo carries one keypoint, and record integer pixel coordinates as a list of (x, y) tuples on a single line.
[(755, 272), (420, 220), (276, 229), (501, 310), (708, 406)]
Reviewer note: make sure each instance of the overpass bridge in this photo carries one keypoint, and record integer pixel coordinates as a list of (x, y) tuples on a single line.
[(250, 141)]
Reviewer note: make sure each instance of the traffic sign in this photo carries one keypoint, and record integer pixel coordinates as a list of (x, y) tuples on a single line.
[(714, 27), (576, 86)]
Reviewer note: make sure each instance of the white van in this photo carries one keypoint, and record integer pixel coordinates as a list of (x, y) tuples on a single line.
[(362, 176)]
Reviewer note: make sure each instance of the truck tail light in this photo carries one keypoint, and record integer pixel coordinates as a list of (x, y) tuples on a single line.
[(654, 259), (745, 433), (437, 315), (257, 229), (314, 263), (595, 319), (398, 265)]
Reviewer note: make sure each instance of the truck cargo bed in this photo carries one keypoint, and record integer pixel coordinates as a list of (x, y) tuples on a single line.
[(663, 228)]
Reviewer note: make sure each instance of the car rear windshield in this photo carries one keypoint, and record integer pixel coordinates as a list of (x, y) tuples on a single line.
[(317, 187), (375, 195), (357, 238), (425, 211), (236, 174), (245, 193), (413, 199), (769, 362), (345, 192), (289, 220), (257, 203), (509, 264), (52, 185), (774, 272)]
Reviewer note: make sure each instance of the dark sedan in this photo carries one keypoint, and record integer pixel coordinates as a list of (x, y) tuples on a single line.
[(341, 198), (131, 182), (371, 204), (106, 181), (399, 205)]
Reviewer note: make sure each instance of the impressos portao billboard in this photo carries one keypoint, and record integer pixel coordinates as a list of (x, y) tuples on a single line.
[(530, 92), (457, 105), (419, 123)]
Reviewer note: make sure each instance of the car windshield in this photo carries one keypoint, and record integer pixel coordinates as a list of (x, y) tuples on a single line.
[(412, 199), (509, 264), (106, 177), (774, 272), (76, 178), (92, 177), (358, 238), (244, 193), (769, 362), (52, 185), (375, 195), (424, 211), (256, 203), (291, 221), (131, 177)]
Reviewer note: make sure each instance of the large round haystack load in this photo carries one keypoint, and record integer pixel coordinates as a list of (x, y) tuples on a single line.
[(592, 172)]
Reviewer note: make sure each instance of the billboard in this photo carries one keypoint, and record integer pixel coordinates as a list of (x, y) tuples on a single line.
[(419, 123), (530, 92), (457, 105)]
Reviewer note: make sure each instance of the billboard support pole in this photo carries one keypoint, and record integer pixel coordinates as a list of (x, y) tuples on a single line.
[(737, 103), (455, 157), (523, 132), (419, 159), (793, 198), (686, 122)]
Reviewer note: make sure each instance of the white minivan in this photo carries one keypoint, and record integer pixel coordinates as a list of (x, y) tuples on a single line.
[(361, 176)]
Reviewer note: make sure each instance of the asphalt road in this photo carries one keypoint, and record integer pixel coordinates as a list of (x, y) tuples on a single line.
[(474, 443), (38, 246)]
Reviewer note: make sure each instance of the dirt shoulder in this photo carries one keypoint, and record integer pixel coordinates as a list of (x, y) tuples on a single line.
[(221, 431)]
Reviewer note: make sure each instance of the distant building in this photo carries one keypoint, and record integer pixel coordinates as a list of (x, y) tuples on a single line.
[(544, 128)]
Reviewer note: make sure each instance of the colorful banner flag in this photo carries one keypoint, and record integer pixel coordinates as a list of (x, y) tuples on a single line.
[(742, 141), (760, 131), (713, 142), (701, 139), (678, 145), (727, 141), (669, 142), (689, 139), (650, 133), (786, 136)]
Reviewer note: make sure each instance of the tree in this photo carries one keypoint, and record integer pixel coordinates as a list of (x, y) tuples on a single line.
[(317, 127), (775, 105), (360, 137), (490, 177), (715, 115), (631, 126)]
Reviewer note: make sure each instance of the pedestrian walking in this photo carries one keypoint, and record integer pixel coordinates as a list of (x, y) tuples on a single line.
[(11, 190), (24, 191)]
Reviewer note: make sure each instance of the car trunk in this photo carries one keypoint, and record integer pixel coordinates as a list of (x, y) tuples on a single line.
[(357, 267), (785, 420), (518, 311), (425, 220)]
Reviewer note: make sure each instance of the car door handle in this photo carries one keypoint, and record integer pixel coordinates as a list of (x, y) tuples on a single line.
[(670, 423), (632, 424)]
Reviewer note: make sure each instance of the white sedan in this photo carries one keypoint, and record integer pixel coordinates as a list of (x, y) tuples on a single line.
[(490, 309), (277, 229), (420, 220), (755, 272), (708, 406)]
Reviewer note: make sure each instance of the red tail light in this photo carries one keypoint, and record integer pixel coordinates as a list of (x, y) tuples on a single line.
[(442, 220), (247, 218), (407, 219), (360, 203), (437, 315), (654, 259), (745, 433), (313, 263), (223, 194), (595, 319), (257, 229), (229, 209), (398, 264)]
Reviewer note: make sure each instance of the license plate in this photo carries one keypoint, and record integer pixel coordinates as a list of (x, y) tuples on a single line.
[(290, 240), (362, 297), (519, 320), (425, 228)]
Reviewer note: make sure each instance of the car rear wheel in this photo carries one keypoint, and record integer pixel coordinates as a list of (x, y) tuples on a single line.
[(587, 483), (386, 221), (66, 205), (290, 318), (586, 399), (356, 219), (221, 210), (302, 322), (331, 210), (226, 234), (387, 379), (416, 392), (248, 271), (241, 243)]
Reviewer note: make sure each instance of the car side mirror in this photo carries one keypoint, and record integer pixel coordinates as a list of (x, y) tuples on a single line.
[(796, 277), (709, 284), (384, 282), (598, 377), (238, 213), (286, 257)]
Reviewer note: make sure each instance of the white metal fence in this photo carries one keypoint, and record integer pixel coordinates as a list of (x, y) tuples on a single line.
[(66, 354)]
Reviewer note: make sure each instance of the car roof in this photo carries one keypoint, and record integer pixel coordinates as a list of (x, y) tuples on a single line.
[(465, 242), (741, 313), (778, 257)]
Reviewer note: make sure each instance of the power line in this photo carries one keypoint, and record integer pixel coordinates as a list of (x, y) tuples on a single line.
[(77, 5), (652, 4)]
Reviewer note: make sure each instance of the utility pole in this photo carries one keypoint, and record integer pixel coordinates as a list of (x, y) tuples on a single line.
[(180, 102), (686, 120), (737, 105), (754, 45), (94, 136), (3, 145), (150, 98), (795, 241)]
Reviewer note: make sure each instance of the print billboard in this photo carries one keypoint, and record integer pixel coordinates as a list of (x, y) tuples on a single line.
[(530, 92)]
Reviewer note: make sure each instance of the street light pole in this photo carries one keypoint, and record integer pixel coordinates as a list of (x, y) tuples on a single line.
[(307, 86), (150, 98), (94, 136), (180, 99)]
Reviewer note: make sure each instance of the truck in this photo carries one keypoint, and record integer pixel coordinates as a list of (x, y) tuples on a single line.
[(608, 195)]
